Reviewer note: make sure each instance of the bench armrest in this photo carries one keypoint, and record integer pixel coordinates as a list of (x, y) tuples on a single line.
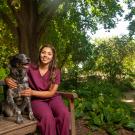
[(71, 96), (2, 83), (68, 95)]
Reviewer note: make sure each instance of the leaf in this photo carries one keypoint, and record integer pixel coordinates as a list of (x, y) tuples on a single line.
[(131, 125)]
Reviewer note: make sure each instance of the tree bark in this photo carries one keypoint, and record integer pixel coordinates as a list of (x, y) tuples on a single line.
[(28, 45), (26, 21)]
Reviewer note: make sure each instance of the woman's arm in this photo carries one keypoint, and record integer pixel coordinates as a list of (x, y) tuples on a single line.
[(29, 92), (47, 93), (41, 94)]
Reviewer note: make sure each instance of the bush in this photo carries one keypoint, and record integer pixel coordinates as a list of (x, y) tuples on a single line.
[(100, 104), (3, 73)]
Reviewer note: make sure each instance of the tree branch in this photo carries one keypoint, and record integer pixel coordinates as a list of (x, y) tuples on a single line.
[(15, 12)]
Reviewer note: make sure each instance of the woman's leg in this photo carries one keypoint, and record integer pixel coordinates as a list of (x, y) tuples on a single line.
[(61, 114), (46, 120)]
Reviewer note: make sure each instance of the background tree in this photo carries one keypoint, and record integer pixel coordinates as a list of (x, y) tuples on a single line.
[(113, 57), (31, 20), (130, 16)]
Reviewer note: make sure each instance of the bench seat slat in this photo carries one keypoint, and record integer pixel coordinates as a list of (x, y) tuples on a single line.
[(9, 127)]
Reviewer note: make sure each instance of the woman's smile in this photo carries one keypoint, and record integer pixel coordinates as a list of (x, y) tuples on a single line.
[(46, 55)]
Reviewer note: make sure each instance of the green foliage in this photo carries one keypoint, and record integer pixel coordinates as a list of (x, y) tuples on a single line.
[(130, 17), (100, 104), (95, 86), (130, 125), (7, 45), (114, 57), (3, 73), (106, 114)]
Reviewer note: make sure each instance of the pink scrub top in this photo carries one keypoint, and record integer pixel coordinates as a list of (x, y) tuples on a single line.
[(41, 83)]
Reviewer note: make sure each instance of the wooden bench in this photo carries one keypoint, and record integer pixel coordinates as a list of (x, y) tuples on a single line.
[(9, 127)]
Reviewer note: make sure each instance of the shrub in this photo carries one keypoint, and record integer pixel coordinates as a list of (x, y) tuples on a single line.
[(100, 104)]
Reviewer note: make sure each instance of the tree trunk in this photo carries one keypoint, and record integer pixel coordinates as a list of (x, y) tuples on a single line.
[(31, 24), (28, 45), (28, 37)]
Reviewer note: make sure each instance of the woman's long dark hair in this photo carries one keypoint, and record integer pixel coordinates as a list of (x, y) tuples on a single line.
[(53, 64)]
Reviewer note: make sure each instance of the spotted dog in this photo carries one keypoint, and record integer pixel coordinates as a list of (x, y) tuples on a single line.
[(15, 104)]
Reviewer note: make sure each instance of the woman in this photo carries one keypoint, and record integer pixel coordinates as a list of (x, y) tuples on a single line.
[(52, 115)]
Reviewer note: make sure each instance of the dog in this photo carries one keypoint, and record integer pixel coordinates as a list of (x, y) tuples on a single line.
[(15, 104)]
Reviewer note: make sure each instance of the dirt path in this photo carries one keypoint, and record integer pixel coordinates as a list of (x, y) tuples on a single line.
[(81, 128)]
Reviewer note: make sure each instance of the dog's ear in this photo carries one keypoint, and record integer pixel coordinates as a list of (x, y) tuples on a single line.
[(13, 61), (9, 61)]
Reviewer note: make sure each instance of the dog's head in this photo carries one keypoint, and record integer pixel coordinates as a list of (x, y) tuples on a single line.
[(19, 61), (18, 65)]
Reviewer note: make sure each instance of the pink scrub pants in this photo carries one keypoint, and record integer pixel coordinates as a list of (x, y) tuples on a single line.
[(53, 116)]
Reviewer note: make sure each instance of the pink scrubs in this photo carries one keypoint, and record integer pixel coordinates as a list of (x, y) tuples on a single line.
[(53, 116)]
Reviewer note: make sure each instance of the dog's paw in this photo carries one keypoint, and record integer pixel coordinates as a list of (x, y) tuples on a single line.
[(31, 116), (19, 119)]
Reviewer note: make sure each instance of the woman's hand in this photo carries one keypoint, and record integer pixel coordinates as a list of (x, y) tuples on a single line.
[(11, 83), (27, 92)]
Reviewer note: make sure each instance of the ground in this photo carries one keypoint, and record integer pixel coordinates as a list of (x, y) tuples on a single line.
[(81, 128)]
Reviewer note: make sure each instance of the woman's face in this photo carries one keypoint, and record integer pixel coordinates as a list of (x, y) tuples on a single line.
[(46, 55)]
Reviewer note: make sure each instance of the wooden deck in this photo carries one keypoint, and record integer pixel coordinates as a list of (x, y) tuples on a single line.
[(9, 127)]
